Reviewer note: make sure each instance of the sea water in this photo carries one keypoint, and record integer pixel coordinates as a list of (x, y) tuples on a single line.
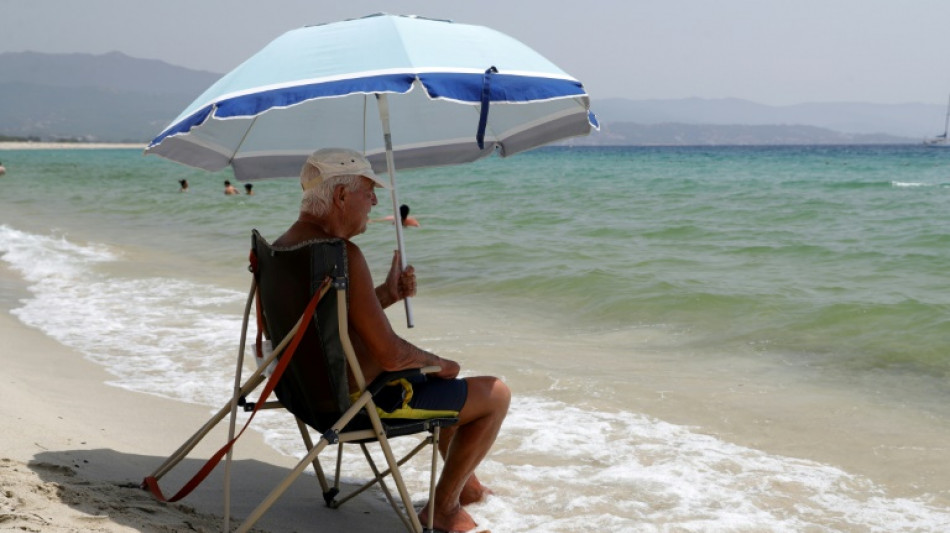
[(698, 339)]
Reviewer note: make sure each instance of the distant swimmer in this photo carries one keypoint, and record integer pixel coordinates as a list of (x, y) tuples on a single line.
[(406, 219), (404, 215), (229, 189), (248, 189), (2, 169), (184, 185)]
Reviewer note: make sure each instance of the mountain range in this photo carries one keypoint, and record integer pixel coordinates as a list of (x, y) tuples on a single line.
[(109, 98), (117, 98)]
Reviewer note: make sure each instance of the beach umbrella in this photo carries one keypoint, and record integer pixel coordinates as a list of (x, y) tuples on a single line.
[(408, 92)]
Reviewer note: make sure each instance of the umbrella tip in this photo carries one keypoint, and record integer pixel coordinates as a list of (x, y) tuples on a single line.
[(417, 17), (381, 14)]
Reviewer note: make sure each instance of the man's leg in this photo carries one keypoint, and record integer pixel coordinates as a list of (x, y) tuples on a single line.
[(473, 491), (464, 446)]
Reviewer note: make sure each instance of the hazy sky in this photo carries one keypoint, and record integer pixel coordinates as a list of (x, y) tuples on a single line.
[(768, 51)]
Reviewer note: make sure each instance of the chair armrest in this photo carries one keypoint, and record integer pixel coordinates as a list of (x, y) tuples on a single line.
[(383, 379)]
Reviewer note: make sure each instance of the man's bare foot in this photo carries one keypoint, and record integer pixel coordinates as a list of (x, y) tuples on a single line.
[(472, 495), (456, 520), (474, 491)]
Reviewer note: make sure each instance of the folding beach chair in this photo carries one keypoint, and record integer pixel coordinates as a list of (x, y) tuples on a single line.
[(302, 299)]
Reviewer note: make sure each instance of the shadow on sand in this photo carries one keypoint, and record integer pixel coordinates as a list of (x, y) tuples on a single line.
[(104, 484)]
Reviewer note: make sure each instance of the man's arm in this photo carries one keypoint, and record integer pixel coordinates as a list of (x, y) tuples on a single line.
[(390, 351)]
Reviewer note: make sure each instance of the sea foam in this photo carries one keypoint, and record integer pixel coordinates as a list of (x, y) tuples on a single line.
[(555, 467)]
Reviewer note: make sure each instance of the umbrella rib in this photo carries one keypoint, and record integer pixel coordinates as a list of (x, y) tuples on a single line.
[(237, 148), (365, 104)]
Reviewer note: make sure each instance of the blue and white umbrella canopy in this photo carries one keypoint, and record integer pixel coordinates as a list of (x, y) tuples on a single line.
[(407, 92), (445, 84)]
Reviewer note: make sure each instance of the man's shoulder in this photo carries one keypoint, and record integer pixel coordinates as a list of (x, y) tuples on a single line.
[(353, 250)]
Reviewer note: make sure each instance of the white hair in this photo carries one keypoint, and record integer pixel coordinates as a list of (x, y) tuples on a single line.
[(317, 200)]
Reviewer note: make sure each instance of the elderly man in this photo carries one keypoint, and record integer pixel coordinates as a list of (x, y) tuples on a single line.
[(338, 193)]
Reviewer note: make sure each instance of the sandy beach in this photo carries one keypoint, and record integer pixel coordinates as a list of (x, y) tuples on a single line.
[(75, 450)]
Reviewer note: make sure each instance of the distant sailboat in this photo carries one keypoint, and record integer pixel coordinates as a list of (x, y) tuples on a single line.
[(941, 140)]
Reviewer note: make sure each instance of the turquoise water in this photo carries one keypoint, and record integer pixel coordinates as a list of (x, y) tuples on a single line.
[(837, 255), (596, 280)]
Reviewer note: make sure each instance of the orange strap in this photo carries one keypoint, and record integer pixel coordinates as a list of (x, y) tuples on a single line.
[(151, 484)]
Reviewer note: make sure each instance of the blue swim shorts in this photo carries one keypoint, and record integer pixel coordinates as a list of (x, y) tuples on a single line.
[(421, 397)]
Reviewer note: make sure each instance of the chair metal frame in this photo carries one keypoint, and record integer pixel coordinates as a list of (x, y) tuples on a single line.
[(337, 434)]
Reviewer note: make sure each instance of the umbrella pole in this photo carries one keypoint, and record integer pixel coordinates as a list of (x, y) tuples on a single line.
[(383, 102)]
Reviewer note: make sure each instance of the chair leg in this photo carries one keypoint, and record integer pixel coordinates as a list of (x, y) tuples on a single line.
[(302, 465), (378, 478), (393, 466), (193, 441), (281, 487), (435, 454), (336, 480), (425, 442), (317, 468)]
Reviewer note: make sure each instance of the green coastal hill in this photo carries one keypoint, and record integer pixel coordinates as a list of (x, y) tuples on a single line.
[(96, 98), (117, 98)]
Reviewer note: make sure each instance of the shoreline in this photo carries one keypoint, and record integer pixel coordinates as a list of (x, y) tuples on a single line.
[(27, 145), (76, 449), (98, 453)]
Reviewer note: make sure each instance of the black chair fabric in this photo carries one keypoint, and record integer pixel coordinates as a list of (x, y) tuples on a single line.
[(314, 386)]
